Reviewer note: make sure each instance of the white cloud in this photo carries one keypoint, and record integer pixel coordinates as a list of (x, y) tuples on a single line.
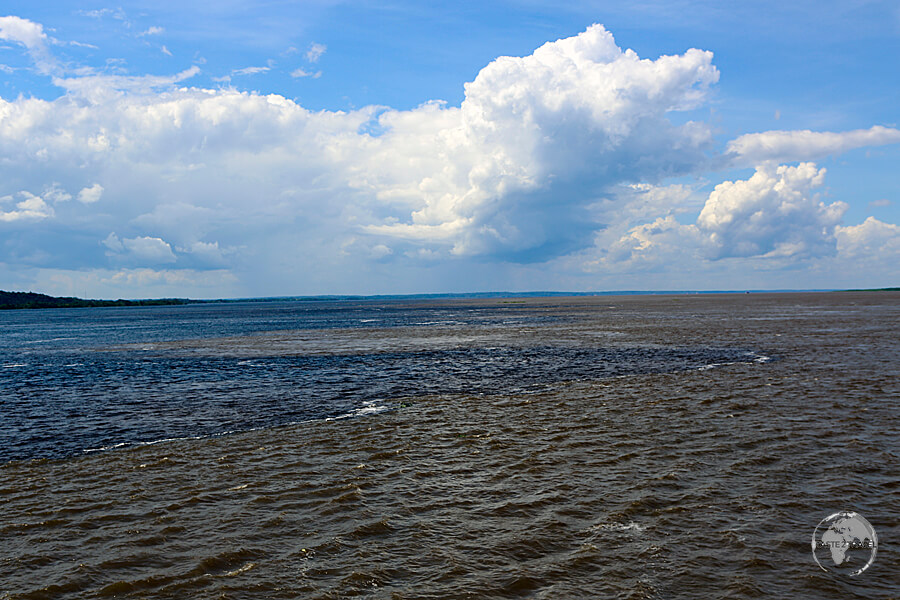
[(141, 250), (31, 208), (872, 239), (204, 248), (250, 70), (381, 251), (154, 30), (177, 279), (136, 283), (300, 72), (775, 213), (31, 35), (149, 249), (792, 146), (536, 139), (208, 253), (82, 45), (91, 194), (98, 89), (113, 242), (115, 13), (315, 52), (548, 155), (54, 193), (165, 50), (22, 31), (642, 200), (665, 240)]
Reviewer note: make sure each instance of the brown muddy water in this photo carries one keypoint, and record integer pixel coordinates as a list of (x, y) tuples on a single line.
[(680, 446)]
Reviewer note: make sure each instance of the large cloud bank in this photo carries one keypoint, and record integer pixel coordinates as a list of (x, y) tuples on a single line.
[(536, 140), (776, 213), (548, 156)]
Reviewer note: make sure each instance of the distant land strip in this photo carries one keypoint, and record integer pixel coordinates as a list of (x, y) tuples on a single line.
[(25, 300), (14, 300)]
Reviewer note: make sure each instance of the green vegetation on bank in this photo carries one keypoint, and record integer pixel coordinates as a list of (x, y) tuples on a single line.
[(14, 300)]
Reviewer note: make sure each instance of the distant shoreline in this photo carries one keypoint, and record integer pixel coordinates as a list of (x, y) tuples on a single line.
[(32, 300)]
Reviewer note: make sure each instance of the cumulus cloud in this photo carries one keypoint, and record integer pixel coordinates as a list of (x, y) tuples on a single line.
[(870, 238), (549, 154), (535, 140), (91, 194), (25, 32), (28, 34), (774, 213), (141, 250), (149, 249), (510, 172), (791, 146), (663, 240), (30, 208)]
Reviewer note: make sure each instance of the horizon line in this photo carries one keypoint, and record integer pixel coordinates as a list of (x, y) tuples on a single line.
[(463, 295)]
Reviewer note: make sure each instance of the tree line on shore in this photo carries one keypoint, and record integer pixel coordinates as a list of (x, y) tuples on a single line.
[(14, 300)]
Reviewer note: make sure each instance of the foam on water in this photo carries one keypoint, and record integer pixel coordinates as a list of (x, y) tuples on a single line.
[(630, 526), (369, 407)]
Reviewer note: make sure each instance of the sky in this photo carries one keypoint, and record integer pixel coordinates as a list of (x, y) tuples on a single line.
[(277, 148)]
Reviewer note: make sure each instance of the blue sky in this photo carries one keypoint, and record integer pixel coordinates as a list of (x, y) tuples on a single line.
[(279, 148)]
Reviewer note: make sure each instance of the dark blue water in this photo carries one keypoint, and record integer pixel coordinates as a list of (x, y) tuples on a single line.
[(67, 386), (99, 327)]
